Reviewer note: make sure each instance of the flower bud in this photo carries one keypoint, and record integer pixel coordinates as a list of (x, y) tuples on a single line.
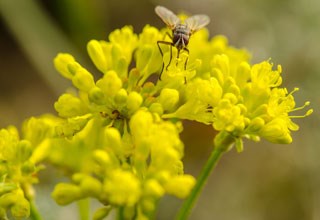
[(231, 97), (148, 88), (8, 199), (126, 40), (122, 188), (222, 62), (65, 193), (96, 53), (134, 101), (101, 213), (153, 188), (121, 67), (72, 126), (21, 209), (110, 84), (143, 56), (276, 131), (83, 80), (149, 35), (134, 76), (102, 158), (15, 201), (140, 124), (41, 152), (121, 97), (61, 63), (91, 186), (113, 140), (180, 186), (97, 96), (69, 106), (243, 73), (36, 129), (28, 168), (116, 53), (210, 91), (24, 151), (78, 177), (169, 99), (147, 205), (73, 67), (255, 125), (239, 145), (156, 108), (7, 187)]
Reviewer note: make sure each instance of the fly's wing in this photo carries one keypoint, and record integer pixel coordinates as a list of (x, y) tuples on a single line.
[(197, 22), (167, 16)]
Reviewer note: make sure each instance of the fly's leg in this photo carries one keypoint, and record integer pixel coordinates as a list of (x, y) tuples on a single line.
[(178, 55), (166, 43), (171, 45), (185, 63), (170, 58), (158, 43), (187, 59)]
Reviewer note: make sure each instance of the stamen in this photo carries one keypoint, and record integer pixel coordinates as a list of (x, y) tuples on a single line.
[(294, 90), (301, 107), (309, 112)]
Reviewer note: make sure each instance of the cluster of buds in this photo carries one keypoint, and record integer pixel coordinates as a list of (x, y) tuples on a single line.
[(117, 137)]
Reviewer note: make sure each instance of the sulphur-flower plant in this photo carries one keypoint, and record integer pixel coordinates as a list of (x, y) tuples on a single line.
[(117, 137)]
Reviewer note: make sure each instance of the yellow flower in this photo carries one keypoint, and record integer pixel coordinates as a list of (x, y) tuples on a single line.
[(122, 188), (116, 125)]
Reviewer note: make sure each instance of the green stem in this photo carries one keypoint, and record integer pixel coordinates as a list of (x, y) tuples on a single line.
[(120, 213), (34, 213), (223, 143), (84, 209)]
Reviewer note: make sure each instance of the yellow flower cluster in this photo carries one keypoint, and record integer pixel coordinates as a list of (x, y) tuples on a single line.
[(234, 96), (117, 137), (119, 117), (129, 170), (16, 173)]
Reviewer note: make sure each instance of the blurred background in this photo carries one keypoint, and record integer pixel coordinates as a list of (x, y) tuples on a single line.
[(266, 181)]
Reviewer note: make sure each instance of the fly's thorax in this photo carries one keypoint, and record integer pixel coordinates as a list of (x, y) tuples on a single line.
[(181, 34)]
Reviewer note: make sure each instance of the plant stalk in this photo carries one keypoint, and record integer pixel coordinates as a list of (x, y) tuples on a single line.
[(84, 209), (34, 213), (223, 142)]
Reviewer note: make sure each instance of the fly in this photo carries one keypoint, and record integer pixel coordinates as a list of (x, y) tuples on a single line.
[(181, 32)]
